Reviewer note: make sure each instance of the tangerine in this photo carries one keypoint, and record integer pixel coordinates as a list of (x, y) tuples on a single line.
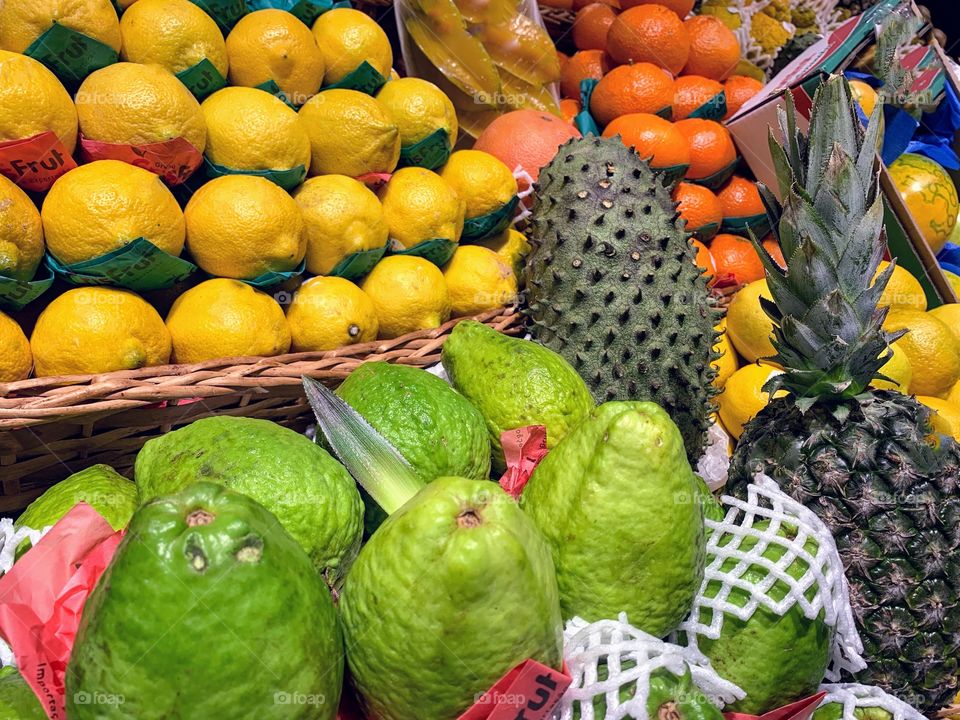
[(700, 208), (583, 65), (654, 139), (739, 89), (681, 7), (591, 25), (711, 147), (736, 256), (640, 88), (714, 50), (692, 92), (569, 109), (740, 198), (772, 247), (705, 259), (649, 34)]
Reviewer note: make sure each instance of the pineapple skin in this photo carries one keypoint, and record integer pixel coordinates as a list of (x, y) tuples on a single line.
[(613, 285), (892, 501)]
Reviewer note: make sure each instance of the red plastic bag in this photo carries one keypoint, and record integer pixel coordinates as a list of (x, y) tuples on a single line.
[(523, 449), (34, 163), (800, 710)]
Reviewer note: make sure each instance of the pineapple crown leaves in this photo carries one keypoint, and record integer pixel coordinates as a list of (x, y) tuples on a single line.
[(897, 32), (827, 327)]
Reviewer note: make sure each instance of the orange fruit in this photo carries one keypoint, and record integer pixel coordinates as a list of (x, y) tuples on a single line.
[(704, 258), (681, 7), (583, 65), (711, 147), (698, 206), (654, 138), (528, 138), (591, 25), (714, 50), (739, 89), (691, 92), (649, 33), (640, 88), (579, 5), (740, 198), (569, 109), (734, 255), (562, 59), (772, 247)]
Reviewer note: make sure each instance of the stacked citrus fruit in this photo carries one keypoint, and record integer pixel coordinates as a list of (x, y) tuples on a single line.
[(221, 186)]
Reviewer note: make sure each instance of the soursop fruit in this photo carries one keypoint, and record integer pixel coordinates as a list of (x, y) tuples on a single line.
[(613, 284)]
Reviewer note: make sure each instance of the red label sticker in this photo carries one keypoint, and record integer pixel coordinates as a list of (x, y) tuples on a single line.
[(375, 181), (42, 598), (530, 691), (800, 710), (523, 449), (174, 160), (34, 163)]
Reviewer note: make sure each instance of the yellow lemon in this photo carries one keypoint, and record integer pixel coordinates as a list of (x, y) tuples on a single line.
[(21, 233), (92, 330), (485, 183), (23, 21), (898, 369), (274, 45), (743, 396), (16, 360), (408, 293), (932, 349), (138, 104), (350, 134), (864, 95), (342, 216), (347, 38), (330, 312), (748, 326), (954, 394), (242, 226), (945, 417), (512, 246), (903, 290), (419, 109), (954, 280), (419, 205), (175, 34), (226, 318), (727, 363), (32, 101), (100, 207), (249, 129), (950, 315), (477, 280)]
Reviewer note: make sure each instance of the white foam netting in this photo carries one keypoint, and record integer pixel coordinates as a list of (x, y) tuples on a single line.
[(9, 540), (714, 466), (824, 577), (520, 174), (614, 644), (853, 696)]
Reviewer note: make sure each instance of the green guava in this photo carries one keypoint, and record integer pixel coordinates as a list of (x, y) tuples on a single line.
[(294, 478), (712, 509), (620, 508), (670, 697), (455, 589), (434, 427), (209, 609), (834, 711), (17, 699)]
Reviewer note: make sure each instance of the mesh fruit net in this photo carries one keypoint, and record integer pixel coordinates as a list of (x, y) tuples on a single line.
[(852, 696)]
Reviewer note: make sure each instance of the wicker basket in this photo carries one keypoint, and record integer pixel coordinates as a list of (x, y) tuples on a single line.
[(54, 426)]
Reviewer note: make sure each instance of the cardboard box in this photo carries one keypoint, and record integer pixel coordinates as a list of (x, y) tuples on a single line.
[(750, 129)]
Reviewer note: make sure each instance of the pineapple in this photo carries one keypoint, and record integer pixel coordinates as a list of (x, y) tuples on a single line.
[(862, 459)]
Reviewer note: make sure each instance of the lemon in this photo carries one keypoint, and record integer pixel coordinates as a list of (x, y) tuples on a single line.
[(512, 246), (898, 369), (342, 216), (350, 134), (748, 326), (175, 34), (249, 129), (330, 312), (743, 396), (242, 226), (954, 280), (274, 45), (864, 95), (418, 108), (92, 330), (138, 104), (100, 207), (945, 417), (347, 38), (727, 363), (16, 360), (23, 21), (954, 394), (21, 233), (485, 183), (408, 293), (903, 290), (419, 205), (932, 349), (32, 101), (950, 315), (477, 280), (224, 318)]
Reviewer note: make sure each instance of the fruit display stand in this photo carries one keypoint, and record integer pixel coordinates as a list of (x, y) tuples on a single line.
[(48, 422)]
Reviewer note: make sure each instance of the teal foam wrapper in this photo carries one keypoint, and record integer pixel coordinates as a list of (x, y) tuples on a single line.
[(69, 54), (202, 79), (225, 12), (271, 87), (438, 251), (713, 109), (365, 78), (493, 223), (272, 278), (430, 153), (307, 11), (356, 265), (139, 265), (17, 294), (758, 224), (287, 179)]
